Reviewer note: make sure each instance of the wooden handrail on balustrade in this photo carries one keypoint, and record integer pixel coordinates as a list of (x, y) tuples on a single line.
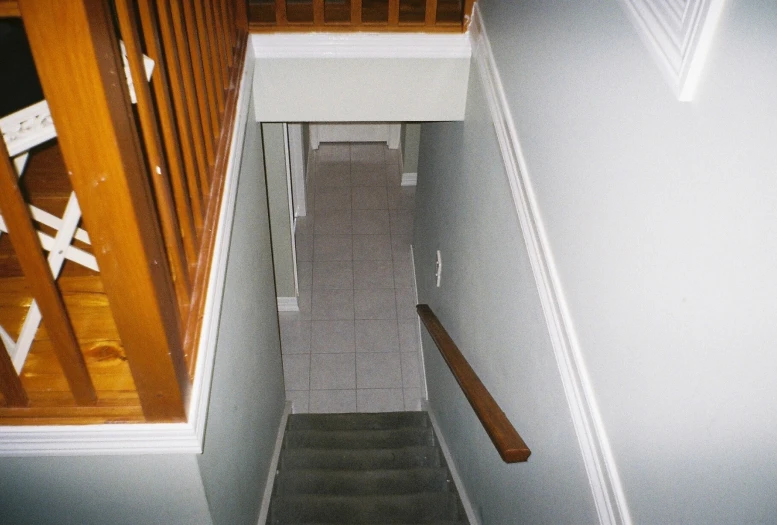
[(505, 438), (427, 16)]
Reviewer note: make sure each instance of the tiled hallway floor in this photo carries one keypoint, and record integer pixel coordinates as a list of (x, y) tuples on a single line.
[(353, 347)]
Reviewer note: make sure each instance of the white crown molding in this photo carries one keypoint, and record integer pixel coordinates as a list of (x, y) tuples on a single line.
[(678, 34), (360, 45), (157, 438), (600, 466)]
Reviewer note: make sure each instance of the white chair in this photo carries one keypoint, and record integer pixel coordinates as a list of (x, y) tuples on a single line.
[(22, 131)]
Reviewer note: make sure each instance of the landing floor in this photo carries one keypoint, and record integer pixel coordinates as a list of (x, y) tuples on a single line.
[(354, 345)]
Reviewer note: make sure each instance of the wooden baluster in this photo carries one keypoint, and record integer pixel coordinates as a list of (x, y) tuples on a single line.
[(393, 13), (125, 9), (203, 147), (430, 18), (229, 38), (356, 12), (186, 116), (318, 13), (38, 275), (219, 62), (281, 18), (241, 16), (188, 205), (212, 85), (231, 28), (466, 16), (210, 123), (10, 385), (87, 94), (221, 39)]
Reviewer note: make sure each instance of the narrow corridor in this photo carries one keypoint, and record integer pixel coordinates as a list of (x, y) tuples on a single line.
[(354, 345)]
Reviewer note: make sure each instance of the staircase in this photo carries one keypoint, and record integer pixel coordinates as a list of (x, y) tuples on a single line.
[(363, 468)]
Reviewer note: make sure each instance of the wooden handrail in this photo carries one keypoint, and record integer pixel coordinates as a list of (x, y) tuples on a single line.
[(506, 439)]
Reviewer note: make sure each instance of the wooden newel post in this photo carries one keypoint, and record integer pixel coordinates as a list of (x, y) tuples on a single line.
[(76, 52)]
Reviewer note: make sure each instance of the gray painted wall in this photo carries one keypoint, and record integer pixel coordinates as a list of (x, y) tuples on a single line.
[(222, 486), (489, 304), (280, 221), (660, 216), (247, 397)]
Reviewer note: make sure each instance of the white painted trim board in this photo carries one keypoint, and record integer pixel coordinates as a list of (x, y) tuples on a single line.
[(157, 438), (288, 304), (466, 503), (264, 510), (606, 487)]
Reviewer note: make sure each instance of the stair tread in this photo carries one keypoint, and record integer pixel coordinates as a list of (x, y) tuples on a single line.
[(358, 421), (364, 459), (359, 439), (350, 482), (373, 509)]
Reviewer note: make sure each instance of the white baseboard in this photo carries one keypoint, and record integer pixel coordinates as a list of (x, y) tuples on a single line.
[(264, 510), (288, 304), (409, 179), (465, 501), (606, 488)]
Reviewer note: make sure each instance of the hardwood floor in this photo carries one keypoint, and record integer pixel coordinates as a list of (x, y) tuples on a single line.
[(46, 185)]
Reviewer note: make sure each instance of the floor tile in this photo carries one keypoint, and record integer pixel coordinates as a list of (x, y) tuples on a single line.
[(333, 198), (374, 304), (333, 152), (371, 222), (300, 400), (304, 244), (305, 274), (295, 336), (305, 307), (333, 247), (408, 335), (368, 153), (411, 375), (332, 336), (401, 197), (401, 222), (332, 175), (376, 335), (369, 198), (296, 371), (403, 271), (333, 222), (373, 274), (369, 176), (332, 401), (380, 400), (413, 397), (383, 370), (406, 303), (332, 274), (328, 304), (372, 248), (332, 371)]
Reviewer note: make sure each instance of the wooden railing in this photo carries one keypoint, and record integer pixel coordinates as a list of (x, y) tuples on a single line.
[(148, 174), (360, 15), (505, 438)]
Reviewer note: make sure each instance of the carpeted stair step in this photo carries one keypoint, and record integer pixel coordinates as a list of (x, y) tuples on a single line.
[(362, 482), (359, 439), (410, 508), (381, 421), (369, 459)]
